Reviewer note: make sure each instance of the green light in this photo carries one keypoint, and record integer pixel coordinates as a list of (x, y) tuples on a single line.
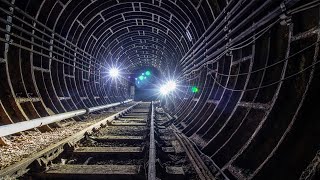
[(148, 73), (141, 78), (194, 89)]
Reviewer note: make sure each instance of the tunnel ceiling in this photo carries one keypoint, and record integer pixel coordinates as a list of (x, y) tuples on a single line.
[(134, 33), (255, 63)]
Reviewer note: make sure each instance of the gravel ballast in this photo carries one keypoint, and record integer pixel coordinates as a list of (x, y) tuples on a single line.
[(20, 147)]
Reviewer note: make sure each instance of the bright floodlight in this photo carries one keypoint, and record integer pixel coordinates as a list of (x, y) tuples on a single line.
[(164, 90), (168, 87), (171, 85), (114, 72)]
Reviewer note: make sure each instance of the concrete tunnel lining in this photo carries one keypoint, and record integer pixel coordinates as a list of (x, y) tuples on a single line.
[(254, 61)]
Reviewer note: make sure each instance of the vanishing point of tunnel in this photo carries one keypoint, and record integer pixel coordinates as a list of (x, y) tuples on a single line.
[(160, 89)]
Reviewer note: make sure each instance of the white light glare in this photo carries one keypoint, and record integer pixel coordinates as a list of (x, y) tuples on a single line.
[(168, 87), (171, 85), (164, 90), (114, 72)]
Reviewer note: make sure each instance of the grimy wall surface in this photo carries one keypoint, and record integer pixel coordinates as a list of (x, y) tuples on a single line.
[(255, 63)]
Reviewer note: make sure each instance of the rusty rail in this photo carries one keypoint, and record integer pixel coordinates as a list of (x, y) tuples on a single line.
[(152, 149), (18, 169)]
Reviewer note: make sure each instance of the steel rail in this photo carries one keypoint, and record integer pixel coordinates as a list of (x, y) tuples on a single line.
[(19, 168), (194, 155), (152, 149), (200, 167), (10, 129)]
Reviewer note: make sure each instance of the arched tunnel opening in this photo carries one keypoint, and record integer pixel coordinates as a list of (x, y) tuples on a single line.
[(145, 83), (235, 82)]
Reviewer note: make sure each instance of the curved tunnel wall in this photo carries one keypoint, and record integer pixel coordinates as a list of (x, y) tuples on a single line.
[(258, 117), (255, 63)]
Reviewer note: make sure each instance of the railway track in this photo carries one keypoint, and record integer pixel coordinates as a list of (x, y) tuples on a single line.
[(135, 143)]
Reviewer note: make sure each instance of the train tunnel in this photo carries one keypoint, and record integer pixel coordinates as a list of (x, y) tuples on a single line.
[(244, 74)]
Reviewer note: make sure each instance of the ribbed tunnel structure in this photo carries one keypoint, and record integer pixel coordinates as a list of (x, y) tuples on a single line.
[(255, 63)]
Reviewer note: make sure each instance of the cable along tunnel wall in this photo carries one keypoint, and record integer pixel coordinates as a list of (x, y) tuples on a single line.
[(255, 64), (42, 73), (255, 115), (54, 51)]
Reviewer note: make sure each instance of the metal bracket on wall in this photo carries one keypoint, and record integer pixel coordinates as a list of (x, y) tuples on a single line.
[(285, 18), (2, 60)]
